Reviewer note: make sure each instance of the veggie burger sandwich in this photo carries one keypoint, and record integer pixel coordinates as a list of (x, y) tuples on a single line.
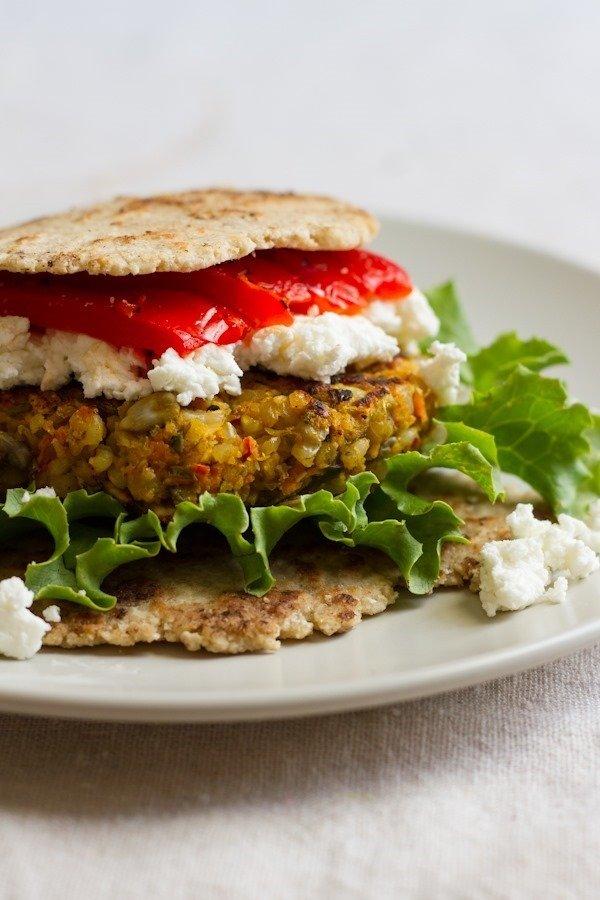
[(217, 416)]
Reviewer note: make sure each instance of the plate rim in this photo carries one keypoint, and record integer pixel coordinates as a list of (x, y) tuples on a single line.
[(295, 702), (585, 266), (365, 692)]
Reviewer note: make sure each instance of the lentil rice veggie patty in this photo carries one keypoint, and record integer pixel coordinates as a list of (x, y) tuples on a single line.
[(269, 443)]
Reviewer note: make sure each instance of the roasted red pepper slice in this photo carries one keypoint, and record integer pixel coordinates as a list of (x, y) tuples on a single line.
[(339, 281), (268, 270), (256, 304), (120, 311), (221, 305), (371, 275), (260, 269)]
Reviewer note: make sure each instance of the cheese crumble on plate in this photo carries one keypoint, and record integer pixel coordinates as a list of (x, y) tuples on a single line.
[(540, 559), (21, 632)]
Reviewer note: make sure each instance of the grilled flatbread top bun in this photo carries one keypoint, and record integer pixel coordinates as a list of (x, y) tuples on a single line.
[(180, 232)]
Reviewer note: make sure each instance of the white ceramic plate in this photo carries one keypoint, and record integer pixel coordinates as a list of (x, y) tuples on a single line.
[(421, 646)]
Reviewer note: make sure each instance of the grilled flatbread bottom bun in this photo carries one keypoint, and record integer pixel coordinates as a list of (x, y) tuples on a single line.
[(196, 598)]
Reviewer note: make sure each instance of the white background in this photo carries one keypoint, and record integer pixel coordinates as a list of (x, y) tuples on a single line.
[(484, 114), (478, 112)]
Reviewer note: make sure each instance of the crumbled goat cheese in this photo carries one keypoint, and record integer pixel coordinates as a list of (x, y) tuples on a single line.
[(557, 592), (317, 347), (512, 575), (45, 492), (441, 371), (564, 553), (101, 368), (20, 362), (202, 373), (51, 614), (21, 632), (409, 320), (588, 531), (41, 492), (51, 359), (537, 564)]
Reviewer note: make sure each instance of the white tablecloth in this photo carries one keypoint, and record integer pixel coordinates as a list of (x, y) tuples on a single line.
[(487, 792), (479, 113)]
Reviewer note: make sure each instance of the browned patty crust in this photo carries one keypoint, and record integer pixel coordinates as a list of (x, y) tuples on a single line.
[(266, 444)]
